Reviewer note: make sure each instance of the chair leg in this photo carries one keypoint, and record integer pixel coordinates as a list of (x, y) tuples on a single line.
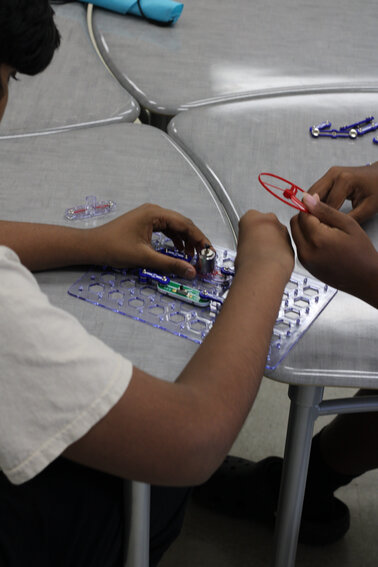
[(303, 413), (138, 538)]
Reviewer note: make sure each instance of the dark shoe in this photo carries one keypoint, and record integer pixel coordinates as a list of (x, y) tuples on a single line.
[(244, 489), (326, 523)]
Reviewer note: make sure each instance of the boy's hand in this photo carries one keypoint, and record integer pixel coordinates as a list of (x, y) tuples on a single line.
[(359, 184), (126, 241), (333, 247), (263, 240)]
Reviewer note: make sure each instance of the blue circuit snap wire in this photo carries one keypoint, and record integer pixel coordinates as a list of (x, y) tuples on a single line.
[(351, 131)]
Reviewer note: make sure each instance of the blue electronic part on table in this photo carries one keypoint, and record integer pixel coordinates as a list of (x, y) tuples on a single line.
[(351, 131), (188, 308), (164, 11)]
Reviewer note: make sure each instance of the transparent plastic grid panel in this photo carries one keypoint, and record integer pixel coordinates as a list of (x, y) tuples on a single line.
[(189, 308)]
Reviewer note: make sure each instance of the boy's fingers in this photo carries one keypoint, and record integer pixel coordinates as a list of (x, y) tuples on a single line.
[(163, 263), (176, 226)]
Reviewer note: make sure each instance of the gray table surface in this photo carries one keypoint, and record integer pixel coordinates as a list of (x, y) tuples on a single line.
[(232, 144), (221, 50), (75, 89), (130, 164)]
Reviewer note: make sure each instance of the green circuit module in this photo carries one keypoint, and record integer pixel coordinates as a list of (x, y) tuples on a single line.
[(183, 292)]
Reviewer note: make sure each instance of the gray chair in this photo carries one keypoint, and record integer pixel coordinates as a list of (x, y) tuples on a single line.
[(232, 144), (130, 164), (227, 51), (75, 90)]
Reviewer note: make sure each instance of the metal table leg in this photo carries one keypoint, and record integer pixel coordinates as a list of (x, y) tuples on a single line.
[(305, 401), (138, 537)]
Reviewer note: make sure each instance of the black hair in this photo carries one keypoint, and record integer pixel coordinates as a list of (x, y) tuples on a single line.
[(28, 35)]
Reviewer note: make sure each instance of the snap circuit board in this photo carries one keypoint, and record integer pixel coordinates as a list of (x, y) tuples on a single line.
[(188, 308)]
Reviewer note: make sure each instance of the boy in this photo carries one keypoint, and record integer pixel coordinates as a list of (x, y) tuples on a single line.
[(76, 418)]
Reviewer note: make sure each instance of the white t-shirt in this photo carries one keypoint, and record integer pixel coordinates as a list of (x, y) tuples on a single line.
[(56, 380)]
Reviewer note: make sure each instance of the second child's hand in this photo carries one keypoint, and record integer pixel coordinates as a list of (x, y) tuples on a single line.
[(358, 184), (335, 249)]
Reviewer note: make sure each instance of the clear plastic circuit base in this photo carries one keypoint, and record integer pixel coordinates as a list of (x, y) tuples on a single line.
[(188, 308), (92, 208)]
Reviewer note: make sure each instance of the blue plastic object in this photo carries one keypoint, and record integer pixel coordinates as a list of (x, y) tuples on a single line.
[(361, 130), (367, 120), (329, 133), (165, 11), (352, 131)]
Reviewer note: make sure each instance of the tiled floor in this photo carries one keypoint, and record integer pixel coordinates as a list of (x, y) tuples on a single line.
[(210, 540)]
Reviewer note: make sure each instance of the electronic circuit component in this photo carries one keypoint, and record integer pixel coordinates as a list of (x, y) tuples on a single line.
[(184, 293), (175, 254), (209, 296), (323, 131), (189, 308), (145, 275), (315, 130), (352, 131), (174, 289), (92, 208), (206, 260), (347, 127), (362, 130)]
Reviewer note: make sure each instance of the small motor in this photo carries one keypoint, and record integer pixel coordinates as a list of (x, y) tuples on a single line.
[(206, 260)]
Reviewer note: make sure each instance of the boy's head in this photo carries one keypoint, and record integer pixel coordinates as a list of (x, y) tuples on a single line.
[(28, 39)]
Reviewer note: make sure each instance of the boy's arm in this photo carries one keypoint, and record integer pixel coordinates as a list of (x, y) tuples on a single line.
[(333, 247), (178, 433), (123, 242), (359, 184)]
